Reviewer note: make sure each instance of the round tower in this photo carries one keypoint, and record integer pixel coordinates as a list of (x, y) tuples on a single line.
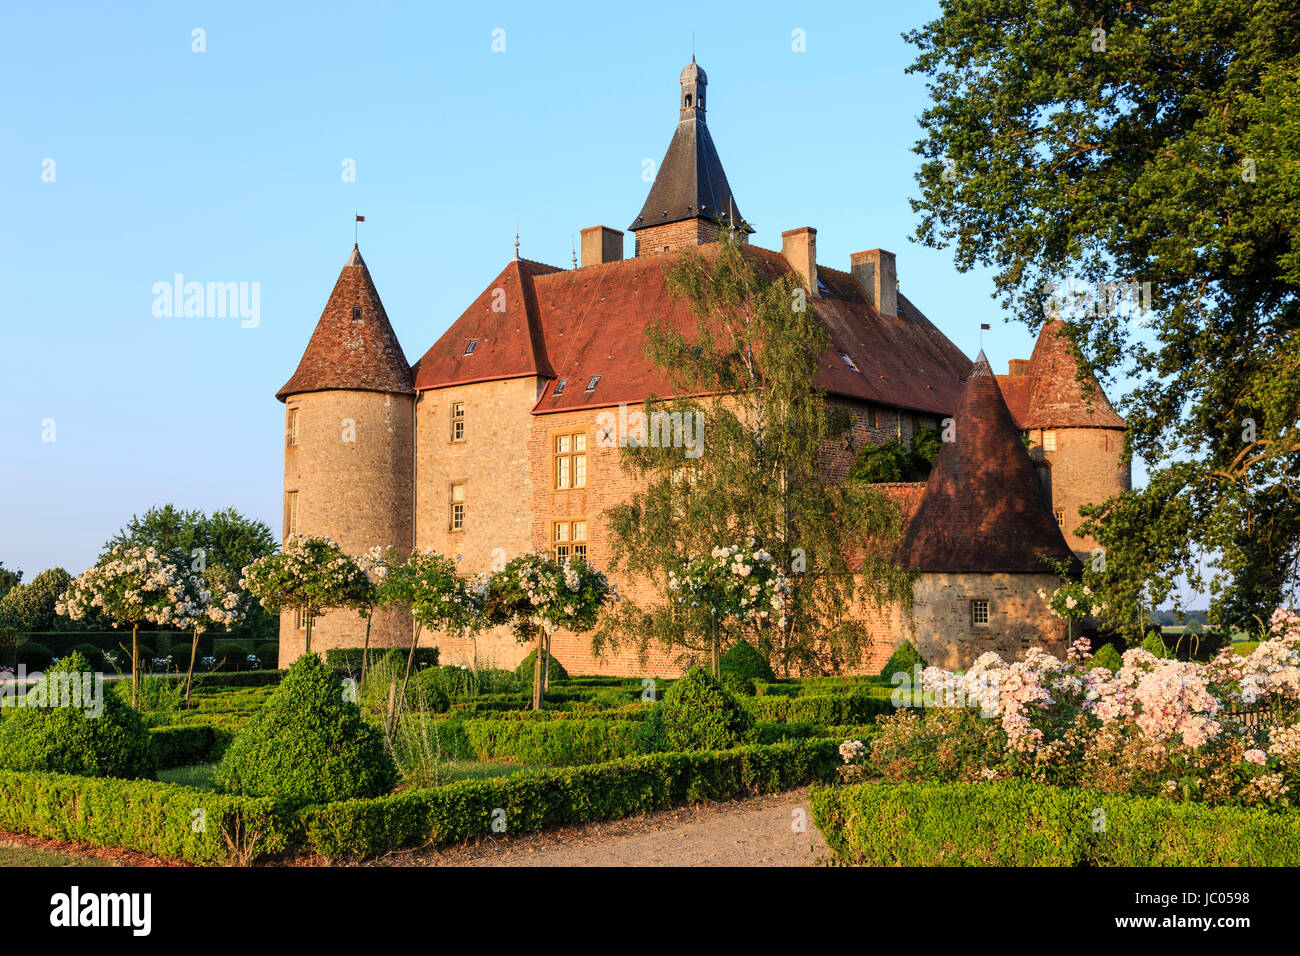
[(349, 416)]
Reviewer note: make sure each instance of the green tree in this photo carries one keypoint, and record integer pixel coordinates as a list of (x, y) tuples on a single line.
[(8, 579), (748, 367), (1144, 143), (30, 607)]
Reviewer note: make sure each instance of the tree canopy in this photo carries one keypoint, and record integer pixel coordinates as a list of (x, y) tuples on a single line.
[(1153, 149)]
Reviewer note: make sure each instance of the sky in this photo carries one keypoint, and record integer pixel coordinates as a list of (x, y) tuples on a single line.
[(130, 156)]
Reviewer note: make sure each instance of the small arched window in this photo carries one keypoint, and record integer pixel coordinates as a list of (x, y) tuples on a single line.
[(688, 100)]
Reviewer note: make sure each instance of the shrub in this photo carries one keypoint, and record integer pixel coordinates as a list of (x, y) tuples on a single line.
[(268, 652), (229, 656), (823, 709), (743, 660), (308, 744), (554, 669), (739, 686), (905, 658), (93, 655), (180, 746), (1107, 657), (36, 656), (349, 658), (697, 713), (54, 734), (1153, 643)]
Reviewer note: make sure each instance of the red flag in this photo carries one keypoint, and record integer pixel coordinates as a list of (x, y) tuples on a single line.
[(984, 326), (361, 218)]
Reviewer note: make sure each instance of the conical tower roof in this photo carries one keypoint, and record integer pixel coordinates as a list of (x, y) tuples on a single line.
[(1057, 399), (690, 182), (353, 347), (982, 510)]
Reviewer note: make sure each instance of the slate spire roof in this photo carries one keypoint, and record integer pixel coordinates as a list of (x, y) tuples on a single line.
[(353, 346), (1048, 394), (690, 182), (982, 509)]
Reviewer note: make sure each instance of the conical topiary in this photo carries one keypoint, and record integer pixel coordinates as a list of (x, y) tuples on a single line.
[(67, 723), (905, 659), (308, 744), (554, 669), (1107, 657), (744, 660), (697, 713)]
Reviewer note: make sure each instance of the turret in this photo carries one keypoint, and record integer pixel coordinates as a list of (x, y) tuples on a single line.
[(349, 411)]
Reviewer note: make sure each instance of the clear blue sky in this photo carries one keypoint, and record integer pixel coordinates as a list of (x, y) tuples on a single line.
[(226, 166)]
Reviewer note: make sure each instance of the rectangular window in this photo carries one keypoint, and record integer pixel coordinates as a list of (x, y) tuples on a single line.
[(1105, 441), (1060, 519), (473, 344), (293, 426), (291, 514), (979, 612), (848, 361), (559, 387), (457, 421), (872, 419), (569, 539), (299, 620), (571, 460), (595, 380), (457, 522), (1049, 441)]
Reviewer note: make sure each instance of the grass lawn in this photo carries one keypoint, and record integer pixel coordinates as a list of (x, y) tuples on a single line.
[(18, 855)]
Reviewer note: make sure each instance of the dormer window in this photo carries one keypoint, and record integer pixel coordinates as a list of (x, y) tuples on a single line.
[(595, 380), (473, 344), (559, 386)]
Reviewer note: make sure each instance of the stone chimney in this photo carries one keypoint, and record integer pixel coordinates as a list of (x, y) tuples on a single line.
[(601, 244), (799, 246), (1018, 367), (876, 272)]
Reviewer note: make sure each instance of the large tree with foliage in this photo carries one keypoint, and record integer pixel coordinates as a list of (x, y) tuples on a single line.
[(1072, 144), (216, 546), (749, 367)]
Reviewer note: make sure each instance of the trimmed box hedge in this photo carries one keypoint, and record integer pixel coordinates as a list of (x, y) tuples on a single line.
[(1015, 823), (825, 709), (181, 745), (533, 798)]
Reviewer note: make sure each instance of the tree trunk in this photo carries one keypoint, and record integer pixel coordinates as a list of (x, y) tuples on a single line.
[(717, 656), (189, 678), (410, 658), (546, 664), (537, 674), (135, 654), (365, 648), (307, 648)]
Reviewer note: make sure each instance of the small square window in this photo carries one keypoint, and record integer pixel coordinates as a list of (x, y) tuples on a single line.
[(356, 313), (559, 386), (595, 380), (473, 344), (979, 612), (1049, 441)]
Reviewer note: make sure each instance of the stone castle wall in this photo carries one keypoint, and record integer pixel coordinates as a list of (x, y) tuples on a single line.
[(1087, 467)]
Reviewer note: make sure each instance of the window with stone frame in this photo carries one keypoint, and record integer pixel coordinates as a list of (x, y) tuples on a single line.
[(456, 507), (570, 460), (569, 539), (291, 513), (979, 612), (292, 430), (457, 421)]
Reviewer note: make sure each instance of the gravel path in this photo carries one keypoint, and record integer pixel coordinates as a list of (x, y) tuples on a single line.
[(759, 831)]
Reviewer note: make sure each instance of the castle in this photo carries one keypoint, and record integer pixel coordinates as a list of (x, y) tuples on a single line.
[(488, 446)]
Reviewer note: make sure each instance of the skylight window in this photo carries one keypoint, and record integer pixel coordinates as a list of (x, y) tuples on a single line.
[(559, 386), (473, 344), (591, 386), (849, 362)]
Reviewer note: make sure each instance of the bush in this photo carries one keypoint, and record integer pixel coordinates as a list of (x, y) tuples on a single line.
[(349, 658), (231, 657), (180, 746), (308, 744), (93, 655), (1153, 643), (37, 657), (825, 709), (268, 652), (1107, 657), (53, 733), (1015, 823), (461, 682), (554, 669), (697, 713), (905, 658), (557, 743), (743, 660)]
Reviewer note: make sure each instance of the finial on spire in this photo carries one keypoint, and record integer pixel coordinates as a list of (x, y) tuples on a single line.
[(574, 250), (516, 243)]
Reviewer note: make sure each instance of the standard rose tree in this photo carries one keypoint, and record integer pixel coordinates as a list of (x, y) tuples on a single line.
[(309, 574), (132, 585)]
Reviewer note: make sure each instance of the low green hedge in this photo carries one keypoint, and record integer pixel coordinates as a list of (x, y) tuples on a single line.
[(825, 709), (558, 743), (349, 658), (531, 799), (181, 745), (1014, 823), (146, 816)]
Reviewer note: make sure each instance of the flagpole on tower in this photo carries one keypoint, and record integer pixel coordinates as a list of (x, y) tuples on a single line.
[(984, 327), (356, 230)]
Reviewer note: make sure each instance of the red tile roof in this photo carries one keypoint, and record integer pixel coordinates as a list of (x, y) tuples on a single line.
[(347, 353), (1050, 395), (592, 321), (982, 510)]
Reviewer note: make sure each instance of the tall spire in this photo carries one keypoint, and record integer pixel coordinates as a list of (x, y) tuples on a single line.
[(353, 346), (690, 182)]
